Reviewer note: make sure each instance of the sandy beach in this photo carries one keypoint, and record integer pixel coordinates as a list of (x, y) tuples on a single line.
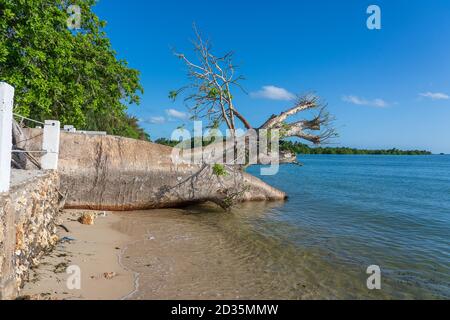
[(158, 254), (95, 249), (194, 253)]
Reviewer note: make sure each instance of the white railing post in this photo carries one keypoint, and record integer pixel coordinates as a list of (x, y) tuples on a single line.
[(6, 107), (50, 145)]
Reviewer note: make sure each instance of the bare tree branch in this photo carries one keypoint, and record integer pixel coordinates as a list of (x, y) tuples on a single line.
[(212, 79), (303, 129)]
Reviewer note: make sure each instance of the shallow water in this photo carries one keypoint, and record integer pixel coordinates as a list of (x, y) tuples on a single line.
[(344, 214)]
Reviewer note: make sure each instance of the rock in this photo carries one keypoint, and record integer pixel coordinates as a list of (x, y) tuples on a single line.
[(87, 219), (109, 275), (53, 240), (34, 262)]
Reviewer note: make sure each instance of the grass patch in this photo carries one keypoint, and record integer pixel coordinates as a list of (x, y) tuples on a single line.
[(219, 170)]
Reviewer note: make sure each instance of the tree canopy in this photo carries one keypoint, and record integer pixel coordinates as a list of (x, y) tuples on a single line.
[(70, 75)]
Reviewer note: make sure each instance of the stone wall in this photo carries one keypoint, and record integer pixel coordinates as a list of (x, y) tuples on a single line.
[(27, 227), (7, 244)]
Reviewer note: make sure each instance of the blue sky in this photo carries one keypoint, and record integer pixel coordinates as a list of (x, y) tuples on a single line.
[(387, 88)]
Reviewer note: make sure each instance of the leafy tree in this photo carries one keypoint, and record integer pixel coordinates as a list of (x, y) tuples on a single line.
[(70, 75)]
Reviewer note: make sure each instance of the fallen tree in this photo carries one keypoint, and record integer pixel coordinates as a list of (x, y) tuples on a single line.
[(209, 97), (121, 174)]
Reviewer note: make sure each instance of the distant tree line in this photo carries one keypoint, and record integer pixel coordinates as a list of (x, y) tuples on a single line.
[(301, 148), (187, 144)]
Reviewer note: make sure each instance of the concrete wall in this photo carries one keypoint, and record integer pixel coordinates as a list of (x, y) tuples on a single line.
[(27, 230)]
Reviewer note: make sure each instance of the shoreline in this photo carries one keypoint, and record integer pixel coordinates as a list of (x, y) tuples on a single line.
[(155, 255), (200, 253), (96, 250)]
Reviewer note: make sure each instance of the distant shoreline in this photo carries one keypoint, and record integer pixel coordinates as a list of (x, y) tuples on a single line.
[(301, 148)]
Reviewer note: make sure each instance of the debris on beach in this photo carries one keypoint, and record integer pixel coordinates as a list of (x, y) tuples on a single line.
[(102, 214), (63, 227), (40, 296), (66, 239), (61, 267), (87, 219), (109, 275)]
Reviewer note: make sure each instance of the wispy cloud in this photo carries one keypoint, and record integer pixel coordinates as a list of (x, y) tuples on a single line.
[(177, 114), (379, 103), (435, 95), (273, 93), (154, 120)]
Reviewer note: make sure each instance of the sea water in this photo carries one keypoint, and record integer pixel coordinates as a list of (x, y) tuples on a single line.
[(344, 214)]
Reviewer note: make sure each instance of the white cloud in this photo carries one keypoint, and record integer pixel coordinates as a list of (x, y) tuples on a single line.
[(435, 95), (177, 114), (273, 93), (379, 103), (155, 120)]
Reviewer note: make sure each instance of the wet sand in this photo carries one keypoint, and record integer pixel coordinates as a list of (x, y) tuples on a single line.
[(193, 253), (160, 254), (182, 256), (96, 250)]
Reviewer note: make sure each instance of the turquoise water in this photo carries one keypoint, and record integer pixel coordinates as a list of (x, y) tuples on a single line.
[(346, 213)]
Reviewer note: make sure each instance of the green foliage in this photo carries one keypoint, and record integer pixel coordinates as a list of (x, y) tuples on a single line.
[(72, 76), (301, 148), (167, 142), (129, 127), (213, 93), (173, 95), (284, 129), (219, 170), (187, 144)]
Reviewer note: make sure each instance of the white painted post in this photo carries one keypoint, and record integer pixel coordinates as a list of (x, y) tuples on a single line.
[(50, 145), (6, 107)]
